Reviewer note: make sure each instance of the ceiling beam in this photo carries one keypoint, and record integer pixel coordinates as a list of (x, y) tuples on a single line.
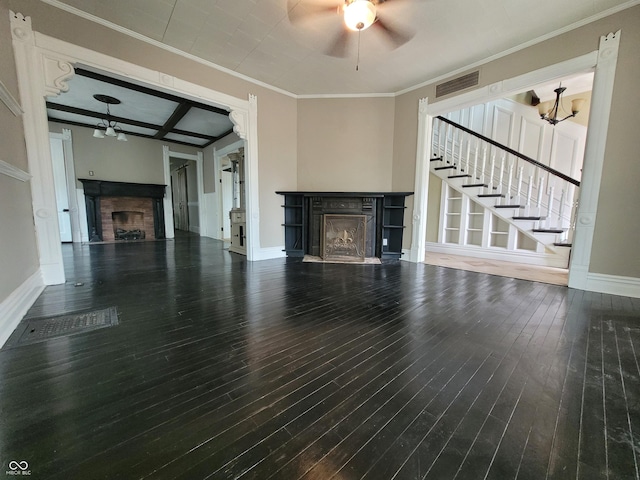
[(177, 115), (147, 90), (101, 115), (134, 134)]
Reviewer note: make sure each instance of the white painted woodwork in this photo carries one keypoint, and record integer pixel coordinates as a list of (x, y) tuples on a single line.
[(61, 190)]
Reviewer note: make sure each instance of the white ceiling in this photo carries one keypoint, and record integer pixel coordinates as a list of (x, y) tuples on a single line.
[(255, 37)]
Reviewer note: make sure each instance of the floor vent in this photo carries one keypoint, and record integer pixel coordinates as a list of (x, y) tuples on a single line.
[(469, 80), (36, 330)]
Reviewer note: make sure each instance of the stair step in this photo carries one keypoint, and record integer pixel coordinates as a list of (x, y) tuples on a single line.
[(527, 218), (508, 206), (491, 195), (462, 175), (435, 159), (474, 185), (445, 168), (560, 244), (547, 230)]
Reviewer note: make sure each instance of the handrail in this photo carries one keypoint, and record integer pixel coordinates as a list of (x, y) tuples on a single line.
[(511, 151)]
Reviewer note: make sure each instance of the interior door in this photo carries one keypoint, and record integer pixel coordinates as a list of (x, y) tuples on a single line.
[(180, 205), (227, 202), (61, 189)]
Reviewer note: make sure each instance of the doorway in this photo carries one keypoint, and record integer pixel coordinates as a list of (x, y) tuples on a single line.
[(179, 190), (63, 171), (184, 206)]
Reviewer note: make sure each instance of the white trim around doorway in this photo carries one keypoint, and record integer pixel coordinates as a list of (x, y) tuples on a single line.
[(602, 62), (44, 64)]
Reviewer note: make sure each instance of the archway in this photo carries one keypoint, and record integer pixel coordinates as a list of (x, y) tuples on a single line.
[(44, 64)]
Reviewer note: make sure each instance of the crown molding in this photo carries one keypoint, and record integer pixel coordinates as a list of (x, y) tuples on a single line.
[(522, 46), (92, 18)]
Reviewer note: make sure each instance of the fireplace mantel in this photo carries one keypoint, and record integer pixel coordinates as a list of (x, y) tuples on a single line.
[(104, 188), (304, 211), (94, 190)]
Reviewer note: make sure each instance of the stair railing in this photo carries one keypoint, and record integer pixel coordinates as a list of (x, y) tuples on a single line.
[(539, 189)]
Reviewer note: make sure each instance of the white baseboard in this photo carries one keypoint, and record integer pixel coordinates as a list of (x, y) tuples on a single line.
[(514, 256), (268, 253), (613, 284), (407, 255), (17, 303), (194, 229)]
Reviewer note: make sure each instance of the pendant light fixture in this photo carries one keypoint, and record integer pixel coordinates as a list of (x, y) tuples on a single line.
[(108, 127), (551, 114)]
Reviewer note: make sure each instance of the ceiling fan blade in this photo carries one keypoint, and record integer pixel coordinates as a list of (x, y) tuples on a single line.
[(300, 10), (339, 46), (394, 35)]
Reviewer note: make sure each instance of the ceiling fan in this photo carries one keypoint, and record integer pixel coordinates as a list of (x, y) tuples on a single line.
[(358, 15)]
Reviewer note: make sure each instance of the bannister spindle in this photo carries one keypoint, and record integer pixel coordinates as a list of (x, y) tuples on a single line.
[(509, 181), (519, 180), (540, 191), (484, 164), (492, 172), (529, 192), (561, 210), (446, 141), (466, 161), (475, 162), (501, 180), (550, 206)]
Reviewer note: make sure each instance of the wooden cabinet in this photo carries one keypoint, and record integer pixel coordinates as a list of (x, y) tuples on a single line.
[(238, 231)]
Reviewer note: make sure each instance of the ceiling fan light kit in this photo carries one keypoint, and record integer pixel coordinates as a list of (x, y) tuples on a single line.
[(359, 15)]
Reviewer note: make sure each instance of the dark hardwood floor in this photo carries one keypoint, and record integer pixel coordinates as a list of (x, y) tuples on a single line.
[(222, 369)]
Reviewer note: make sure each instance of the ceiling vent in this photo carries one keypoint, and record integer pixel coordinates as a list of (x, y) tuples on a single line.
[(457, 84)]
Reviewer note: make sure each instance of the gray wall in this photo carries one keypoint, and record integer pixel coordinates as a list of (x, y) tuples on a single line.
[(18, 251)]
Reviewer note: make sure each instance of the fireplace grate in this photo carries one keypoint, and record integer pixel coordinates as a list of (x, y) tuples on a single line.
[(40, 329)]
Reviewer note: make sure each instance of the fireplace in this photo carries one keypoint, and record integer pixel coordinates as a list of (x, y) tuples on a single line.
[(119, 211), (313, 221)]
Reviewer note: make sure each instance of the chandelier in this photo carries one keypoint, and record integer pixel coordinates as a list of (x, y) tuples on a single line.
[(551, 114), (108, 127)]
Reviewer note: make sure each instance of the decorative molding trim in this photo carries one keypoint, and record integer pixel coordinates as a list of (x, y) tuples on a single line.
[(9, 100), (137, 36), (130, 33), (56, 74), (16, 305), (513, 256), (14, 172), (522, 46), (613, 285)]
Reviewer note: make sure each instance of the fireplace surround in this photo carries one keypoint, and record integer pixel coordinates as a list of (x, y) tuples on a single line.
[(118, 211), (382, 215)]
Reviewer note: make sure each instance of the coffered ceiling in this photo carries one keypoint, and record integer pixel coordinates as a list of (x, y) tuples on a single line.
[(255, 38), (141, 112)]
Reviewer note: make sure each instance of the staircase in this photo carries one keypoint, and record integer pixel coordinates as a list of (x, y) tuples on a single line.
[(504, 187)]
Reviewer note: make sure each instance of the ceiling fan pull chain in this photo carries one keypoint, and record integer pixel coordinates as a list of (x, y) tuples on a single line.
[(358, 59)]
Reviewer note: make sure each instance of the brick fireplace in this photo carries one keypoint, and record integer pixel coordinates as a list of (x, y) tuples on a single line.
[(120, 211)]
